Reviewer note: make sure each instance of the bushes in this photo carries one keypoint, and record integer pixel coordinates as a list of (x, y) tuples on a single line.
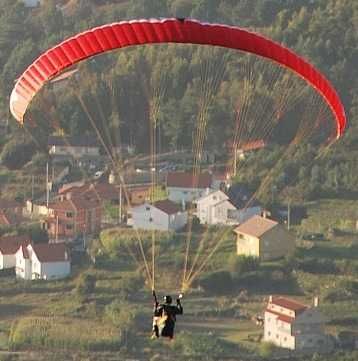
[(238, 265), (86, 284), (219, 282), (17, 153), (201, 346), (317, 266), (267, 349)]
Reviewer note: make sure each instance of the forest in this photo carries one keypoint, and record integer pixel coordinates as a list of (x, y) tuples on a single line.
[(123, 87)]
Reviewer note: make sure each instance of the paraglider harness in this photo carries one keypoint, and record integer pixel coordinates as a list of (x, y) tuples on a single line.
[(164, 317)]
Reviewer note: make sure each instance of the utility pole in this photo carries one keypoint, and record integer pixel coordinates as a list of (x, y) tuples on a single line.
[(32, 188), (288, 214), (47, 187), (120, 204), (235, 161)]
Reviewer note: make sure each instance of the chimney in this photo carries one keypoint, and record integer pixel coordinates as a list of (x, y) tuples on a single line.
[(315, 301), (68, 195)]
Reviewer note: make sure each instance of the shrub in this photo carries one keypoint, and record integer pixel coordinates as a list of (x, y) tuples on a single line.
[(86, 284), (317, 266), (218, 282), (238, 265), (267, 349), (17, 153), (202, 346)]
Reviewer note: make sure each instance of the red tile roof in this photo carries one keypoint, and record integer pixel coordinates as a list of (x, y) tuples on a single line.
[(167, 206), (9, 218), (248, 145), (51, 252), (289, 304), (10, 244), (103, 191), (84, 201), (256, 226), (281, 316), (188, 180), (286, 319), (6, 204)]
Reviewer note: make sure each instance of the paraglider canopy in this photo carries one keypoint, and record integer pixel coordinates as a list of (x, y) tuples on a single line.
[(139, 32)]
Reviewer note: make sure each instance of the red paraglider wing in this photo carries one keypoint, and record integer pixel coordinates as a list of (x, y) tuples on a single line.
[(137, 32)]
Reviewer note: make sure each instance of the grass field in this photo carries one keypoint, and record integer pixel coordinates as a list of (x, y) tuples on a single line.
[(55, 308)]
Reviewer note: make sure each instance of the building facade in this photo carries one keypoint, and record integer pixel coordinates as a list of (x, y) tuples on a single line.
[(292, 325), (72, 217), (45, 261), (263, 238), (185, 187), (213, 208), (162, 215)]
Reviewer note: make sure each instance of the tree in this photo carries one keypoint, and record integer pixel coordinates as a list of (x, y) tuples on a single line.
[(238, 265), (86, 284)]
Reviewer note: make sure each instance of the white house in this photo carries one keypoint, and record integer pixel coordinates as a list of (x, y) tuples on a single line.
[(8, 248), (43, 261), (213, 208), (162, 215), (73, 146), (185, 187), (218, 208), (290, 324), (31, 3)]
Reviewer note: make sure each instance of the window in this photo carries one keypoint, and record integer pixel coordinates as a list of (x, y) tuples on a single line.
[(69, 214), (285, 339), (69, 226), (147, 208), (150, 219), (269, 333), (277, 335)]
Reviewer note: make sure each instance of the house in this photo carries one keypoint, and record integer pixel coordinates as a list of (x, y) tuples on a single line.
[(162, 215), (73, 147), (104, 192), (10, 219), (213, 208), (31, 3), (110, 193), (185, 187), (244, 147), (8, 248), (138, 194), (42, 261), (263, 238), (292, 325), (11, 206), (74, 216)]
